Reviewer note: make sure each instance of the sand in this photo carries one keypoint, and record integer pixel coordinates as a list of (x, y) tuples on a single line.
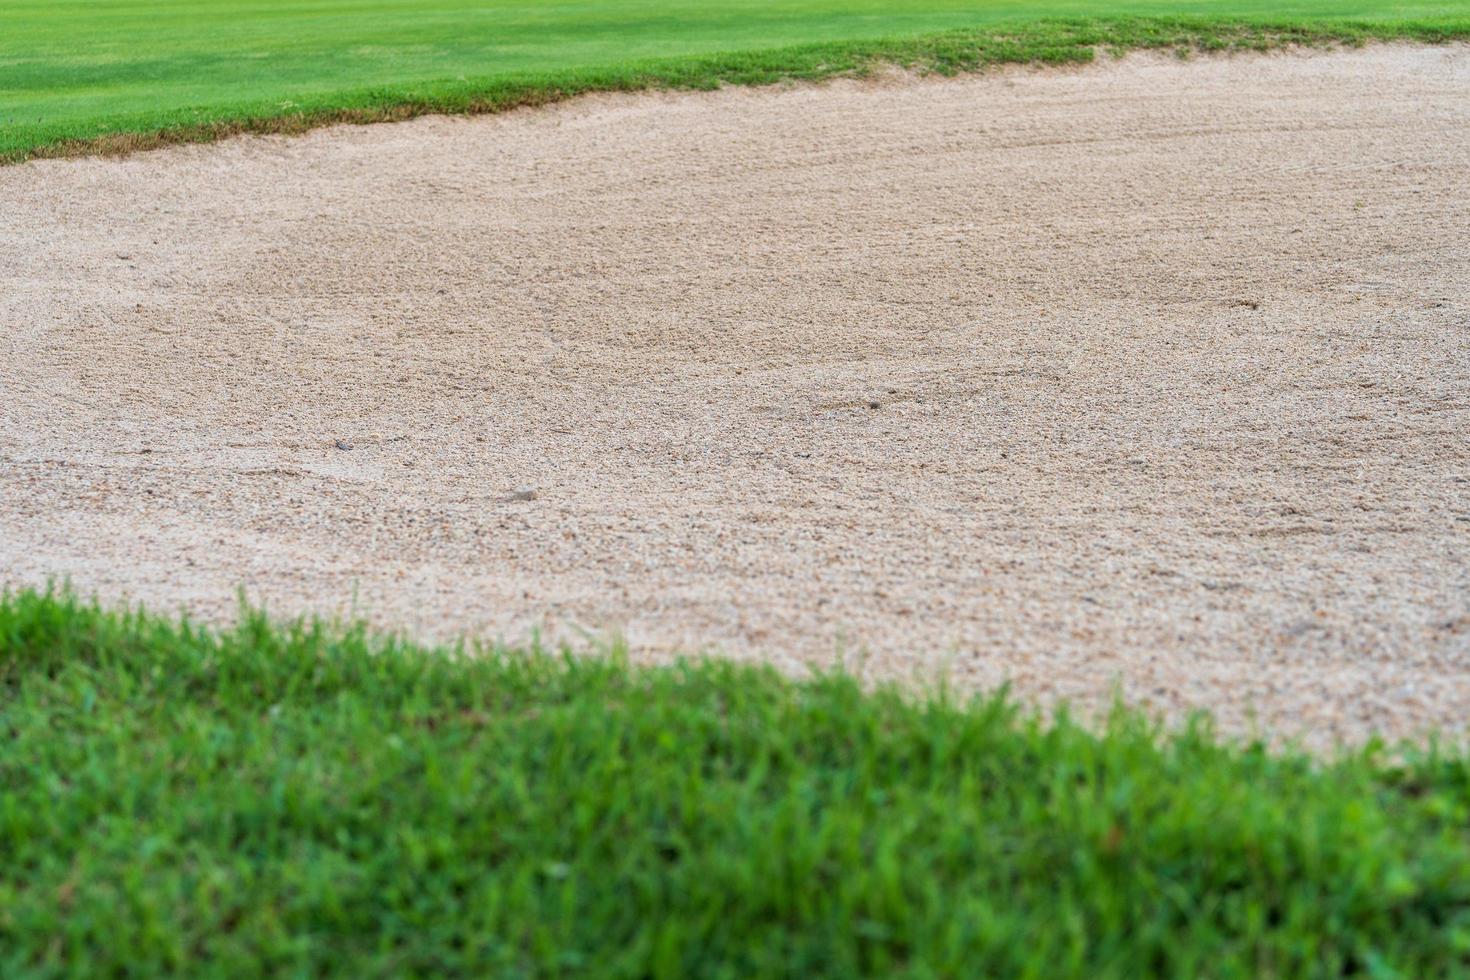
[(1150, 378)]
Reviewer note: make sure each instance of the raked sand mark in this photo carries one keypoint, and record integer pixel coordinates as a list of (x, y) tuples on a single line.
[(1155, 374)]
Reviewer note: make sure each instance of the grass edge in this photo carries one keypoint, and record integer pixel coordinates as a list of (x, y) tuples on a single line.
[(1049, 42)]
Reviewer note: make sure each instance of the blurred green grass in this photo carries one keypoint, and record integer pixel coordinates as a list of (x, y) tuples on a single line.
[(297, 800)]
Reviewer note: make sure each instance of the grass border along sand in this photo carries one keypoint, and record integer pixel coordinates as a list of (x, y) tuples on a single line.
[(1045, 42), (292, 798)]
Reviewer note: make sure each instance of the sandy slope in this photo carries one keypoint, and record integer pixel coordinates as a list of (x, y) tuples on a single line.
[(1155, 373)]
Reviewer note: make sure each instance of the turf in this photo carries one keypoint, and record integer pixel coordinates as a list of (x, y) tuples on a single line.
[(90, 75), (296, 800)]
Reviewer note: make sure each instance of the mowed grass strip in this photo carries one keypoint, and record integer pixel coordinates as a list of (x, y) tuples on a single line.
[(122, 75), (297, 800)]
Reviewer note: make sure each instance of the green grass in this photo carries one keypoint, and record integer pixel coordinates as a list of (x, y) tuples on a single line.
[(88, 75), (303, 801)]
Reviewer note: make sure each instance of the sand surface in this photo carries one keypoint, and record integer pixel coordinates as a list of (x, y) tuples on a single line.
[(1152, 375)]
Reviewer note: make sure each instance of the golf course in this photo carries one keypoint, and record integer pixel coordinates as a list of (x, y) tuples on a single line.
[(759, 489)]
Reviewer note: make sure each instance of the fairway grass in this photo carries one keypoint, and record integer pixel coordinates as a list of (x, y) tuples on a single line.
[(298, 800), (120, 76)]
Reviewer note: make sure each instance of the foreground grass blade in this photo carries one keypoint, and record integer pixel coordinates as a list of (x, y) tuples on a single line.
[(305, 801)]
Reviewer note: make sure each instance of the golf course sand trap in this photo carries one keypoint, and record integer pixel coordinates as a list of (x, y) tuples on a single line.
[(1151, 377)]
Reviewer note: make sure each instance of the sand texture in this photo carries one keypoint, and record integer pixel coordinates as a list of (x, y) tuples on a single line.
[(1152, 376)]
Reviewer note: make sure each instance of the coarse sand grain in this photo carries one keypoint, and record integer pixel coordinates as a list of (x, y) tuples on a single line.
[(1151, 377)]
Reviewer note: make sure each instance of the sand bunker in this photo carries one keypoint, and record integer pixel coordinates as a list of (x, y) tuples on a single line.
[(1154, 374)]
